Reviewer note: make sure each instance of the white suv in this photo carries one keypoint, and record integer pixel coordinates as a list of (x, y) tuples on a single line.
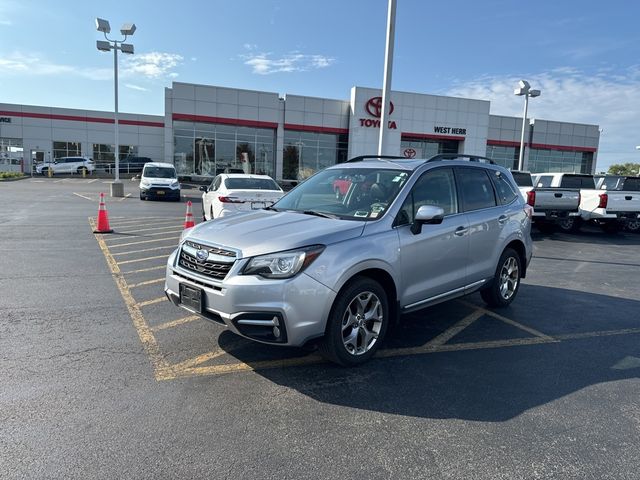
[(67, 165)]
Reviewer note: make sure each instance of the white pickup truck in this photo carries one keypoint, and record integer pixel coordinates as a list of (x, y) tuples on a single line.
[(618, 203), (553, 206)]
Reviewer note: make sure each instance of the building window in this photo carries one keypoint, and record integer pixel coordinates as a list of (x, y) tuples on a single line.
[(426, 148), (209, 149), (307, 152), (67, 149), (546, 160), (505, 156), (104, 153)]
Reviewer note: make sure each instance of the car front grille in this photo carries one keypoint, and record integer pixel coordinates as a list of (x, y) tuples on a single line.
[(216, 268)]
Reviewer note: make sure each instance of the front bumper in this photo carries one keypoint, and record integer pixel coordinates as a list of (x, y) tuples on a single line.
[(252, 306), (160, 192)]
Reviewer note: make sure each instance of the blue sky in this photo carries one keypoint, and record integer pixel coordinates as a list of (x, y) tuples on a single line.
[(583, 55)]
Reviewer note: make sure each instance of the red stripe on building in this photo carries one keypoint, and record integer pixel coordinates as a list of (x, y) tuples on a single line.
[(77, 118), (564, 148), (314, 128), (226, 121), (429, 136)]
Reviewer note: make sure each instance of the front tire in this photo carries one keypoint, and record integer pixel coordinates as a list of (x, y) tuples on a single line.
[(506, 281), (357, 323)]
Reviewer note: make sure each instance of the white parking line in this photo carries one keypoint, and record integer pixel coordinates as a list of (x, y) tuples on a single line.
[(144, 250), (142, 270), (148, 282), (173, 239), (175, 323), (138, 260), (154, 229), (152, 302), (143, 236), (82, 196)]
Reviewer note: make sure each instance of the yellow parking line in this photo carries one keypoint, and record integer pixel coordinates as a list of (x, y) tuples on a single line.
[(145, 235), (152, 302), (144, 250), (160, 365), (82, 196), (159, 222), (125, 197), (175, 323), (601, 333), (159, 267), (145, 241), (149, 229), (148, 282), (138, 260), (452, 331)]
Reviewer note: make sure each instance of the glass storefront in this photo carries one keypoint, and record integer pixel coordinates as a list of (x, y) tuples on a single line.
[(66, 149), (545, 160), (209, 149), (505, 156), (104, 153), (307, 152), (425, 147), (11, 154)]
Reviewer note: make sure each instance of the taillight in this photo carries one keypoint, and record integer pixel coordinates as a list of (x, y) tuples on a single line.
[(224, 199), (531, 197), (604, 198)]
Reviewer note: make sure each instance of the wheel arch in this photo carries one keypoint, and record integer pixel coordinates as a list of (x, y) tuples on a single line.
[(519, 248)]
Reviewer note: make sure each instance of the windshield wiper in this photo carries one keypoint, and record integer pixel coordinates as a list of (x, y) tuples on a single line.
[(320, 214), (271, 208)]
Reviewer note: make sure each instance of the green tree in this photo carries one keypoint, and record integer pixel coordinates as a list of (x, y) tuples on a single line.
[(625, 169)]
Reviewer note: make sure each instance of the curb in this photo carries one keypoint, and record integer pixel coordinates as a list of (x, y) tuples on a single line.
[(14, 179)]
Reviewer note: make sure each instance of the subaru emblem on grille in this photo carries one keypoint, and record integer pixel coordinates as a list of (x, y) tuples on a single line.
[(202, 255)]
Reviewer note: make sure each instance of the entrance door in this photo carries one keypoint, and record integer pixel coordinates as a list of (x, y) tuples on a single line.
[(37, 156)]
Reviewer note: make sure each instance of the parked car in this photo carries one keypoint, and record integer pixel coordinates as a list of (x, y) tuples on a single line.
[(159, 180), (132, 164), (237, 192), (66, 165), (339, 271)]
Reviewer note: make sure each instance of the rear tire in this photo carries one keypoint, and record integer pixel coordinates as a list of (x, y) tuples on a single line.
[(357, 323), (633, 226), (506, 281), (569, 224)]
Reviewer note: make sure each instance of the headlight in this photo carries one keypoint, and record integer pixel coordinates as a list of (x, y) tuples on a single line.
[(185, 233), (175, 184), (283, 264), (144, 183)]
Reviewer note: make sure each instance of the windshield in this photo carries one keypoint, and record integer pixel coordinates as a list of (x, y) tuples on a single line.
[(159, 172), (251, 184), (347, 193)]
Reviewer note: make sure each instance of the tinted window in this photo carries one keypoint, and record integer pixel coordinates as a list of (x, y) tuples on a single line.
[(631, 185), (544, 181), (577, 181), (504, 188), (159, 172), (250, 184), (215, 185), (477, 191), (522, 179), (437, 188)]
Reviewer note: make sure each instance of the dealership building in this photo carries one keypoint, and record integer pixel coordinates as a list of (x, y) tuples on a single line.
[(208, 129)]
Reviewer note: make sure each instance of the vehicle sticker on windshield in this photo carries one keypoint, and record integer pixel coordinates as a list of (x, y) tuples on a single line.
[(361, 213), (374, 214)]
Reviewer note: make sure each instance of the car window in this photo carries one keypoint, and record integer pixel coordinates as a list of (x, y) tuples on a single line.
[(504, 189), (631, 184), (522, 179), (159, 172), (577, 181), (250, 184), (215, 185), (544, 181), (477, 190), (437, 188)]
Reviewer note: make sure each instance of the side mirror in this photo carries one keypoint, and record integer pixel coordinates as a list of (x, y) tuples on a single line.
[(204, 188), (426, 214)]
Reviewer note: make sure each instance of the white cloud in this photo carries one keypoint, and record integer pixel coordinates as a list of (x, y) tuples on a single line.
[(153, 64), (263, 64), (135, 87), (34, 64), (571, 95), (6, 22)]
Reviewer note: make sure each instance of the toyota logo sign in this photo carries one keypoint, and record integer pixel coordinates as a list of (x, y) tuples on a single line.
[(374, 107), (409, 152)]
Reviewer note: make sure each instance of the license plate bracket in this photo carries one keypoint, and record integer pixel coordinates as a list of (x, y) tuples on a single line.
[(258, 205), (191, 297)]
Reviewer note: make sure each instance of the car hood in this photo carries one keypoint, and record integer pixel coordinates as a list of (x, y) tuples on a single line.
[(262, 231), (160, 181)]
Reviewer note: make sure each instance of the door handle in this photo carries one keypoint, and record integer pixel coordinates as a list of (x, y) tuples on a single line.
[(502, 219), (460, 231)]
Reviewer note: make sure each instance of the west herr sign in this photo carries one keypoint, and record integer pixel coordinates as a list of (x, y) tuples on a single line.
[(450, 130)]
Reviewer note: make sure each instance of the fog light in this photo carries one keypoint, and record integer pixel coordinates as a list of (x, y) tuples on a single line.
[(276, 332)]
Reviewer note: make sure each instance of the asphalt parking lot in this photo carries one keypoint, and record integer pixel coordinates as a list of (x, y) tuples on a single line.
[(103, 377)]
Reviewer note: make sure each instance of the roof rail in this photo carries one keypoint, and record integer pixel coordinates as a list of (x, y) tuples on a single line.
[(458, 156), (360, 158)]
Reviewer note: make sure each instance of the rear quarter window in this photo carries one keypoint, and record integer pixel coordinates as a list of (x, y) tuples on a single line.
[(577, 181), (631, 185)]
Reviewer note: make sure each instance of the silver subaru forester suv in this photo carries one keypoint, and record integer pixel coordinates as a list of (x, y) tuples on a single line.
[(337, 266)]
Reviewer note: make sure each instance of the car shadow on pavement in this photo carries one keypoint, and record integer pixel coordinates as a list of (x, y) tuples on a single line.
[(596, 340), (591, 235)]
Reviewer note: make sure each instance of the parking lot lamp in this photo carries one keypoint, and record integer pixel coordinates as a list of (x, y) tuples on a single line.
[(117, 189), (526, 91)]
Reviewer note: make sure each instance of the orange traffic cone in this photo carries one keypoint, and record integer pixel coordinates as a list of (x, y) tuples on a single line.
[(103, 218), (188, 220)]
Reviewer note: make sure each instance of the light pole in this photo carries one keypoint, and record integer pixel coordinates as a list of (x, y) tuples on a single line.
[(638, 148), (117, 189), (388, 68), (526, 90)]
